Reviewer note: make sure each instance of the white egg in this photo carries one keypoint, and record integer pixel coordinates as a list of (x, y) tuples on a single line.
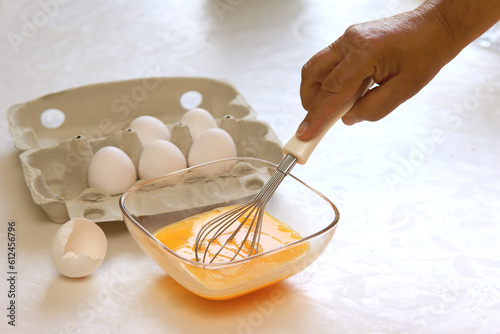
[(111, 171), (160, 157), (150, 128), (213, 144), (78, 248), (198, 121)]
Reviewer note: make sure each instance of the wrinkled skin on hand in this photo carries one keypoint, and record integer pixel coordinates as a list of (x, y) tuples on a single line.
[(401, 54)]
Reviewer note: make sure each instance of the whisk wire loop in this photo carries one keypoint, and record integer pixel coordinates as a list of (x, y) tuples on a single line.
[(250, 214)]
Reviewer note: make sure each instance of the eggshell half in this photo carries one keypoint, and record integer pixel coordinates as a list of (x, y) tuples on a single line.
[(213, 144), (198, 121), (158, 158), (150, 128), (78, 248), (111, 171)]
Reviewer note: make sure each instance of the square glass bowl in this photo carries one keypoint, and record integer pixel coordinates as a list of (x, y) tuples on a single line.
[(152, 205)]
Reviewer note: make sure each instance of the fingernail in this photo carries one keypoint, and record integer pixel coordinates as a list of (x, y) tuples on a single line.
[(302, 128), (349, 120)]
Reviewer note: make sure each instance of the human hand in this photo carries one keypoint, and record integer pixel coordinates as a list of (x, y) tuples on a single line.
[(400, 53)]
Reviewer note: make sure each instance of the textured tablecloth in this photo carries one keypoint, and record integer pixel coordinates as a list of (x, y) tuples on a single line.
[(417, 249)]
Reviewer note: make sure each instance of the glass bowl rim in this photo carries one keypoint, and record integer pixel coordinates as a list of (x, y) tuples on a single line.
[(218, 265)]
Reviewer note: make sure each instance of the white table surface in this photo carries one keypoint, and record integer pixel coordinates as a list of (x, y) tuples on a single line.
[(417, 249)]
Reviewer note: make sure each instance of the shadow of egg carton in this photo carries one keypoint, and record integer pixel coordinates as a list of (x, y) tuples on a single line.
[(59, 133)]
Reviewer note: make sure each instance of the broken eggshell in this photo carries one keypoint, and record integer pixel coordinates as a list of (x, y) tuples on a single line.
[(78, 248)]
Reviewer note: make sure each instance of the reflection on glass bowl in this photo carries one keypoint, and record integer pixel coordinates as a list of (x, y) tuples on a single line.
[(152, 205)]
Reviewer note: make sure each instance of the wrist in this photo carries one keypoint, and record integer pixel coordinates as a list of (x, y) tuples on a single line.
[(462, 20)]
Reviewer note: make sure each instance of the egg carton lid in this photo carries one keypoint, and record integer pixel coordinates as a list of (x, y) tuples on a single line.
[(46, 128), (98, 110)]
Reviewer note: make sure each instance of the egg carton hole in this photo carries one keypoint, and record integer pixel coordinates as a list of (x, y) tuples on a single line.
[(52, 118), (93, 213), (254, 184), (191, 99)]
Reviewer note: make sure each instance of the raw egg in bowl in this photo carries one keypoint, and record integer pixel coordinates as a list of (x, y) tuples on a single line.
[(163, 216)]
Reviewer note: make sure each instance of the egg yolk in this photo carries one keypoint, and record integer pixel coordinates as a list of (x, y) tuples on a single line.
[(181, 237)]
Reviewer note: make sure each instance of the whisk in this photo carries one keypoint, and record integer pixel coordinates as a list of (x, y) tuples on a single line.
[(251, 213)]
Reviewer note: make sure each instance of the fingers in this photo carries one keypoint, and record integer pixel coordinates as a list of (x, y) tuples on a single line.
[(378, 102), (330, 88), (315, 71), (372, 107)]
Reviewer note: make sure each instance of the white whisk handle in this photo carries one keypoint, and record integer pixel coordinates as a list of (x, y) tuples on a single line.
[(301, 149)]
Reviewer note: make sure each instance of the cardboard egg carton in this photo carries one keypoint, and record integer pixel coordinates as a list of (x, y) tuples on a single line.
[(59, 133)]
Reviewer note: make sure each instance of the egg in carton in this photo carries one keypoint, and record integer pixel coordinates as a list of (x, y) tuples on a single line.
[(61, 132)]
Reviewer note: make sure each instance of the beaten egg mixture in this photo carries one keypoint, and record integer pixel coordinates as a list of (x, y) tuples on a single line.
[(180, 237)]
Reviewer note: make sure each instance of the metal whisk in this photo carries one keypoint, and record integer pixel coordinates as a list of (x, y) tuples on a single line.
[(252, 212)]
